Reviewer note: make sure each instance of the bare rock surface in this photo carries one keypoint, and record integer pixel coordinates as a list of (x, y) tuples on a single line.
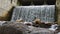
[(13, 28), (19, 28), (37, 30)]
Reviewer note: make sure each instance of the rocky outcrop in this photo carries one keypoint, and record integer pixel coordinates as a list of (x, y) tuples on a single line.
[(5, 9), (58, 10), (13, 28), (19, 28)]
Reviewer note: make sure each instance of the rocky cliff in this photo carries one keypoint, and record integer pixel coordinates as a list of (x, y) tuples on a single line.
[(5, 6), (58, 10)]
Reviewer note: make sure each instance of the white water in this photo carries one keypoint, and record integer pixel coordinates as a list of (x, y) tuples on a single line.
[(54, 27), (29, 13)]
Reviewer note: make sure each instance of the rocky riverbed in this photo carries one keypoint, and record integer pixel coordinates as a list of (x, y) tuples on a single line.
[(19, 28)]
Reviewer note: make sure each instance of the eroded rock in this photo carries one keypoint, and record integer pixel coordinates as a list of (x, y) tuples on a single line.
[(13, 28)]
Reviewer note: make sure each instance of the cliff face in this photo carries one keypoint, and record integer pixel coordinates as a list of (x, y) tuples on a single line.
[(5, 6), (58, 10)]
